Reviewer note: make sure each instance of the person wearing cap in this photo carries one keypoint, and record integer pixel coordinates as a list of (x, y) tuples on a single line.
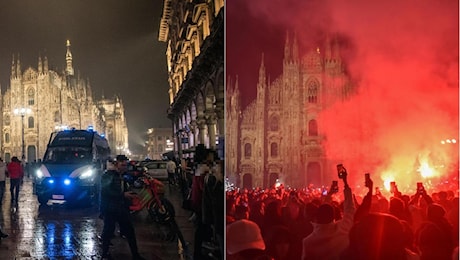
[(115, 207), (244, 241)]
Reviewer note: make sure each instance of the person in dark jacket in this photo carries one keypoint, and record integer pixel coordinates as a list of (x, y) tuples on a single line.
[(115, 207), (16, 173)]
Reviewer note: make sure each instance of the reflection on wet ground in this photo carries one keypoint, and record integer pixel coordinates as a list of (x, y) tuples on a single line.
[(58, 232)]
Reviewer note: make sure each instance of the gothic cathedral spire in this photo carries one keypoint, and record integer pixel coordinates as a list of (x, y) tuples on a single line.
[(45, 65), (295, 49), (287, 49), (40, 66), (328, 49), (13, 68), (18, 67), (262, 76), (68, 58)]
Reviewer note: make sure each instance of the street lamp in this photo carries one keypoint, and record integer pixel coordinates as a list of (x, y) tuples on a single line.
[(22, 112)]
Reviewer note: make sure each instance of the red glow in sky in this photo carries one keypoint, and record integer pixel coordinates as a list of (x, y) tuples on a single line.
[(403, 56)]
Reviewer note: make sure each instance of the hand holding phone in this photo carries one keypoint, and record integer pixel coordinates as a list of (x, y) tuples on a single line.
[(367, 180), (341, 171)]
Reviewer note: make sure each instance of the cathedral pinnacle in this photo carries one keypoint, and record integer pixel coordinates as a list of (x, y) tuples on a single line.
[(287, 48), (295, 49), (262, 70), (40, 66), (13, 68), (68, 58)]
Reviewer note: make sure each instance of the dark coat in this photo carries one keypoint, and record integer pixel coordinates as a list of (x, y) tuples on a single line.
[(112, 197)]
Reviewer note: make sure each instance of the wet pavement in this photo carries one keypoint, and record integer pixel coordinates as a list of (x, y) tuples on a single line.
[(58, 232)]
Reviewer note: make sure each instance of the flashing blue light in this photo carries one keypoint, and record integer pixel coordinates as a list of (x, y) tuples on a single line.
[(51, 181), (90, 128), (66, 181), (102, 135)]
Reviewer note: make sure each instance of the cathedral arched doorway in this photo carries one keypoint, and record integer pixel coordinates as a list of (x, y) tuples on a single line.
[(272, 179), (7, 157), (247, 181), (314, 174), (31, 153)]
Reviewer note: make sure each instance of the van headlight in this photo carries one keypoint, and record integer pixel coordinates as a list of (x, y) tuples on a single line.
[(39, 174), (87, 174)]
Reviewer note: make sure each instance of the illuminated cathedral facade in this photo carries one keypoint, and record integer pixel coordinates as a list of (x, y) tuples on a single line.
[(277, 135), (40, 101)]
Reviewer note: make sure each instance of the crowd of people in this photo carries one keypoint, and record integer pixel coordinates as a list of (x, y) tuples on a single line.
[(282, 223), (201, 182)]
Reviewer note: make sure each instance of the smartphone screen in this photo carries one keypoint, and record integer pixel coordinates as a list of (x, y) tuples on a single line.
[(340, 170)]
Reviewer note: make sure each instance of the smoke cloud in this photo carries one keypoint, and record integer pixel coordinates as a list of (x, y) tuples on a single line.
[(403, 59)]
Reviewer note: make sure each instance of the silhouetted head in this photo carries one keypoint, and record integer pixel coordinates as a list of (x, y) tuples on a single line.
[(431, 242), (325, 214), (377, 236), (396, 207), (434, 212)]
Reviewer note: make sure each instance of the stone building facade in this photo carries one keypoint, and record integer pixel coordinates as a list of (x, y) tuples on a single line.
[(277, 135), (116, 129), (160, 141), (51, 101), (194, 33)]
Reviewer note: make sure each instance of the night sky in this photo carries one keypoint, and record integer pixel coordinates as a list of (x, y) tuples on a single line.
[(402, 56), (114, 44)]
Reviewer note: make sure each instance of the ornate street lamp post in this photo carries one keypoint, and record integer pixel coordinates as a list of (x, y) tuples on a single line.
[(22, 112)]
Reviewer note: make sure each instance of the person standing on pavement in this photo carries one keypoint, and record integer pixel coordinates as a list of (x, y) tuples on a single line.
[(3, 174), (16, 173), (171, 168), (115, 207)]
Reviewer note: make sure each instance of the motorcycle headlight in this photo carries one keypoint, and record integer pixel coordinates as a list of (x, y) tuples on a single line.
[(87, 174)]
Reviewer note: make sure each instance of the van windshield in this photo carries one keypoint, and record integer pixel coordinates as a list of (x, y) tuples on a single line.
[(68, 155)]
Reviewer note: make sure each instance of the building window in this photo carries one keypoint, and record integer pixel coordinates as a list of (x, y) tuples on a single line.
[(31, 97), (56, 117), (31, 122), (274, 124), (247, 150), (274, 149), (7, 120), (160, 148), (159, 138), (312, 92), (7, 138), (312, 128)]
